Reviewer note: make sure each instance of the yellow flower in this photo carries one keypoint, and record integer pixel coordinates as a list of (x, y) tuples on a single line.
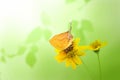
[(95, 46), (71, 54)]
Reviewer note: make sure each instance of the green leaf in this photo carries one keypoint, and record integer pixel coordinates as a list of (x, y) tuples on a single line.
[(82, 37), (77, 31), (2, 59), (47, 34), (34, 36), (45, 18), (75, 27), (34, 49), (69, 1), (11, 55), (21, 50), (86, 25), (31, 59), (87, 1), (75, 23), (3, 51)]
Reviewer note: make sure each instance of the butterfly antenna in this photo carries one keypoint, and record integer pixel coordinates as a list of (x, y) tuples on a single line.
[(70, 27)]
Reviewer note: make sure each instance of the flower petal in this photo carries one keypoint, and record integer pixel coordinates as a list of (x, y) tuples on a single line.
[(61, 56), (79, 53), (103, 44), (57, 51), (77, 60), (83, 47), (76, 41), (73, 64), (68, 62)]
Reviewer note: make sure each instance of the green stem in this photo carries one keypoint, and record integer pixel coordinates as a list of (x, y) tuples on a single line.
[(87, 70), (100, 73)]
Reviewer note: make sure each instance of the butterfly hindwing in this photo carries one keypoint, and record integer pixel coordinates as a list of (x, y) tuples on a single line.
[(62, 40)]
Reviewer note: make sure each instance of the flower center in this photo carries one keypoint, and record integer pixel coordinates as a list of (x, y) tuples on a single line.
[(70, 48), (69, 51), (96, 45)]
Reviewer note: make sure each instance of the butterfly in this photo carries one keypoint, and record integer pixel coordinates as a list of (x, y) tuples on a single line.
[(62, 41)]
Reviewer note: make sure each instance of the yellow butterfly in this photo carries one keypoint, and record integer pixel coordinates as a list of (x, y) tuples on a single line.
[(62, 41)]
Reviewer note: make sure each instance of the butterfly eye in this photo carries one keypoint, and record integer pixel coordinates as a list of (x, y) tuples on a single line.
[(62, 41)]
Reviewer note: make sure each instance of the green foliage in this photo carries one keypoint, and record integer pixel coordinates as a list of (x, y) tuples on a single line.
[(87, 1), (12, 55), (47, 34), (69, 1), (21, 50), (82, 36), (45, 18), (3, 59), (79, 33), (75, 28), (3, 54), (75, 23), (31, 58), (34, 36), (3, 51), (87, 25), (34, 49)]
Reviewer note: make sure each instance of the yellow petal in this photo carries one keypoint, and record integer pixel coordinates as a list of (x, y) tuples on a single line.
[(83, 47), (76, 41), (57, 51), (103, 44), (61, 57), (73, 64), (80, 53), (94, 48), (90, 48), (68, 62), (77, 60), (96, 45)]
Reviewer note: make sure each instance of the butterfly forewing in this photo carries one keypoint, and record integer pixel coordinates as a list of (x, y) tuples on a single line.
[(62, 41)]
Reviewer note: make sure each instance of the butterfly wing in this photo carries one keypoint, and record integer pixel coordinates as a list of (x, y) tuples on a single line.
[(62, 41)]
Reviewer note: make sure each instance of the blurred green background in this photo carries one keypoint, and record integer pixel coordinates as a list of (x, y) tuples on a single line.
[(27, 25)]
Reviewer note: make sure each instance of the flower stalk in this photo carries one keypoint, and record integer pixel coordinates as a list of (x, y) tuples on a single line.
[(99, 64)]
